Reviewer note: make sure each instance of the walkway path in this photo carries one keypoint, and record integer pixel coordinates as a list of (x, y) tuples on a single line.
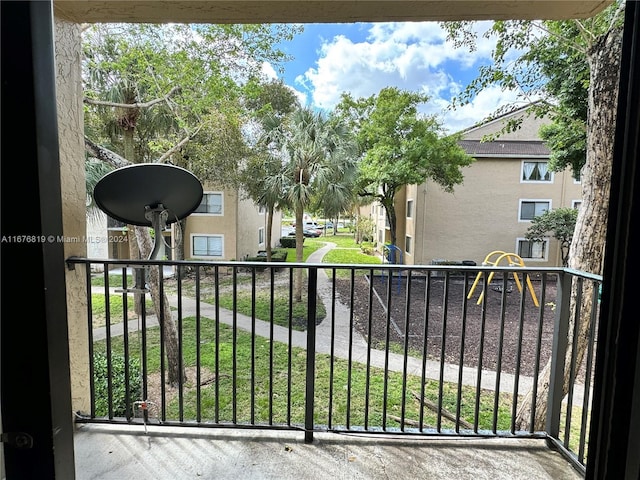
[(339, 332)]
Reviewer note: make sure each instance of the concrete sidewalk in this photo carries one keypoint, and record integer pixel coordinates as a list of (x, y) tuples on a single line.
[(340, 337)]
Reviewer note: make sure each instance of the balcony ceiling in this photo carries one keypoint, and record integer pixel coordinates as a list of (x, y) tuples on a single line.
[(320, 11)]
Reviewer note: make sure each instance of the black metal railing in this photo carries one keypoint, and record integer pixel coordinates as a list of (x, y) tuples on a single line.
[(419, 350)]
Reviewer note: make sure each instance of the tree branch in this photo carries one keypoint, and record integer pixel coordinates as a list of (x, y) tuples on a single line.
[(104, 154), (177, 146), (148, 104), (573, 45)]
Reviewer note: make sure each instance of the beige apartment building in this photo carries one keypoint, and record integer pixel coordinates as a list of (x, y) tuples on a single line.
[(227, 226), (508, 184)]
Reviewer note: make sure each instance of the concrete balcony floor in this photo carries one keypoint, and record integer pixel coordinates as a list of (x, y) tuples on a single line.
[(128, 452)]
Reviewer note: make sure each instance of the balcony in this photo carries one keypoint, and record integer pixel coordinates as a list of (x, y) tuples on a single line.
[(392, 368)]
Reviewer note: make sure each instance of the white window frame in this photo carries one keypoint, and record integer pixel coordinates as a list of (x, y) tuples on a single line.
[(206, 235), (576, 204), (410, 207), (262, 210), (545, 253), (408, 245), (530, 200), (261, 236), (221, 214), (523, 180)]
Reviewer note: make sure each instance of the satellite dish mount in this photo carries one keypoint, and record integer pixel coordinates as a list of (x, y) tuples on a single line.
[(150, 195)]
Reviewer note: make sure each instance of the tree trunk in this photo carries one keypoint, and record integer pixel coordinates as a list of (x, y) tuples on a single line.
[(170, 331), (587, 247), (178, 241), (268, 232), (297, 279)]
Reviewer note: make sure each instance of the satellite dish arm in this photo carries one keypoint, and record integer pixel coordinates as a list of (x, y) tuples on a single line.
[(157, 215)]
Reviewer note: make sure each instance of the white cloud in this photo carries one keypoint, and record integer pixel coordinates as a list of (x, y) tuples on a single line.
[(268, 71), (481, 107), (411, 56)]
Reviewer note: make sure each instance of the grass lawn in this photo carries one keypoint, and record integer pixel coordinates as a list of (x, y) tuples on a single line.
[(116, 309), (269, 389), (115, 280)]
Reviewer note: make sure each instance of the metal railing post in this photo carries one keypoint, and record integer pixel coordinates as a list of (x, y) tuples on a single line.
[(311, 354), (558, 354)]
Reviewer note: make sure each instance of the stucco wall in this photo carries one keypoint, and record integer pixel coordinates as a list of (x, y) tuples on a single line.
[(71, 128), (482, 214)]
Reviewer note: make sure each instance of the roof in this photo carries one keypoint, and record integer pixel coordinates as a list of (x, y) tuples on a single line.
[(318, 11), (517, 148)]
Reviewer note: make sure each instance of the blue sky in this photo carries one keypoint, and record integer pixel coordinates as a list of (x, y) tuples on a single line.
[(363, 58)]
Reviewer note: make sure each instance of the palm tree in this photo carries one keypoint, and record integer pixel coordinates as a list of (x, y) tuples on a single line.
[(317, 153)]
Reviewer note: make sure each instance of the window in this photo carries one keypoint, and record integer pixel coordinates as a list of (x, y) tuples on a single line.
[(206, 245), (211, 204), (262, 210), (407, 245), (536, 172), (529, 209), (261, 236), (576, 204), (532, 250), (380, 237), (409, 208)]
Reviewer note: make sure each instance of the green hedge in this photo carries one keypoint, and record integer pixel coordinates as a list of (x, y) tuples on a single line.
[(100, 376), (276, 256), (289, 242)]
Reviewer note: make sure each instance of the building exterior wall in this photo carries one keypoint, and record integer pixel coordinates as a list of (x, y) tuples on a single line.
[(482, 215), (71, 141), (223, 225), (250, 220), (238, 225)]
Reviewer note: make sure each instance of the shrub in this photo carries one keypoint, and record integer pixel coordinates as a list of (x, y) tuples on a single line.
[(100, 375), (366, 247), (289, 242), (276, 256)]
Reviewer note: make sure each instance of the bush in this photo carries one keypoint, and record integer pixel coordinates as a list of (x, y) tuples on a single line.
[(366, 247), (289, 242), (100, 375), (276, 256)]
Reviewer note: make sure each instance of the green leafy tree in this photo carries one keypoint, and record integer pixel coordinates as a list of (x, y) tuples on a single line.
[(316, 153), (260, 178), (568, 70), (400, 147), (560, 223), (170, 93)]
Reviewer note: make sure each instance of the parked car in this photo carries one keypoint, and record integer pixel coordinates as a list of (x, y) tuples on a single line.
[(307, 232)]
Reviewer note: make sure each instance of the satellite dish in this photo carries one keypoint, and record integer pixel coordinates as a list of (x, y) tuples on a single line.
[(149, 195)]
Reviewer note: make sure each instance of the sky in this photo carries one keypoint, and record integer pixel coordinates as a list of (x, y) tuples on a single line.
[(363, 58)]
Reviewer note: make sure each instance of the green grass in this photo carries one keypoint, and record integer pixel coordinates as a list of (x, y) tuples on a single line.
[(342, 240), (245, 306), (116, 309), (114, 280), (310, 246), (270, 390)]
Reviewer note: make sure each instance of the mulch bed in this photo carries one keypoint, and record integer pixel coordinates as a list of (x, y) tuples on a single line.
[(484, 338)]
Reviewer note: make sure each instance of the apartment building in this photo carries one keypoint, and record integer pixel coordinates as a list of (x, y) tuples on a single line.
[(225, 226), (508, 184)]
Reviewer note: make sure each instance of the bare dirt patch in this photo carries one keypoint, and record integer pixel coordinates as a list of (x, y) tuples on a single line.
[(491, 335)]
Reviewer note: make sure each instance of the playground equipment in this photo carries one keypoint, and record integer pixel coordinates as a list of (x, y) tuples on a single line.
[(512, 260)]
